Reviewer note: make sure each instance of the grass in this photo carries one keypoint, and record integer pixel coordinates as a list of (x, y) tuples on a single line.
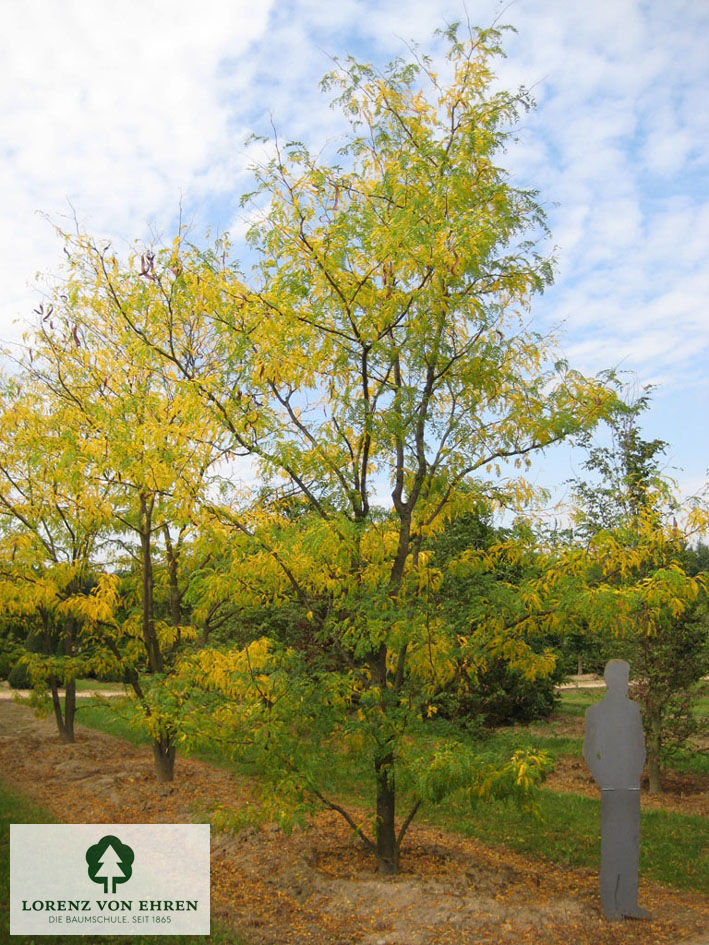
[(673, 846), (86, 685), (687, 761), (576, 701), (683, 761), (114, 719), (16, 809), (567, 831)]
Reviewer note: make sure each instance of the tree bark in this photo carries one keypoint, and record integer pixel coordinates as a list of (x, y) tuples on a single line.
[(69, 684), (64, 720), (69, 710), (155, 660), (164, 754), (387, 845), (172, 554)]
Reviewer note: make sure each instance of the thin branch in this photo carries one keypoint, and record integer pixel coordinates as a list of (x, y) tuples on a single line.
[(343, 813), (406, 824)]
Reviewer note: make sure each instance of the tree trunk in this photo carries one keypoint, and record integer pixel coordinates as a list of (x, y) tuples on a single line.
[(387, 846), (654, 743), (579, 665), (69, 684), (69, 709), (172, 555), (164, 755), (65, 720), (155, 660)]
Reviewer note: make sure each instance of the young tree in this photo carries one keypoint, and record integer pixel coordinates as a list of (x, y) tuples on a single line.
[(53, 514), (383, 346), (146, 442), (632, 510), (485, 685)]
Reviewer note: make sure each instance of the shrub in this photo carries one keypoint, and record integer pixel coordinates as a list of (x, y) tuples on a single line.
[(19, 677)]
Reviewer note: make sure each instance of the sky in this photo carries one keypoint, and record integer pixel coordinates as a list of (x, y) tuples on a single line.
[(119, 114)]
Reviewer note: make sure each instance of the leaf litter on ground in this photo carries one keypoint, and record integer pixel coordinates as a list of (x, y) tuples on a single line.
[(318, 886)]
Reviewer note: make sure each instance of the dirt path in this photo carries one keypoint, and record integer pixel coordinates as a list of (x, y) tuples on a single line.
[(6, 692), (8, 695), (317, 887), (584, 681)]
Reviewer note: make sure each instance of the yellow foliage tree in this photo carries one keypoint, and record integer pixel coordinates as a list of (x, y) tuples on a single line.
[(52, 514), (142, 439), (380, 372)]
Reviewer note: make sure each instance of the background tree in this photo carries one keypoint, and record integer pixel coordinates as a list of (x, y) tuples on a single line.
[(53, 513), (486, 688), (143, 443), (632, 506)]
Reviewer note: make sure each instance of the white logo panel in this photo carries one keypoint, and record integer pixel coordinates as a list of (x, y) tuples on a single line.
[(111, 879)]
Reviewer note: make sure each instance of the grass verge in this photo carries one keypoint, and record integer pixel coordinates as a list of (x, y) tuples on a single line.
[(673, 848)]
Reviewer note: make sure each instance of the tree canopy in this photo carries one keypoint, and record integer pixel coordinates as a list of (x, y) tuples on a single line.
[(378, 377)]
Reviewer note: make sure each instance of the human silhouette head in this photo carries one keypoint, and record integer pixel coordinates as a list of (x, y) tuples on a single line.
[(617, 676)]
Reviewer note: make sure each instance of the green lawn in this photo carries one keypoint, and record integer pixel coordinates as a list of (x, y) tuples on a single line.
[(567, 831), (576, 701), (673, 846), (685, 760), (16, 809), (85, 685)]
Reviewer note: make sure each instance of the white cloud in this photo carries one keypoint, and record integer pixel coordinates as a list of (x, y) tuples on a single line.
[(124, 107), (117, 108)]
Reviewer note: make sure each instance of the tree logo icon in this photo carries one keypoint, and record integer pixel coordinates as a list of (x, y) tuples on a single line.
[(110, 862)]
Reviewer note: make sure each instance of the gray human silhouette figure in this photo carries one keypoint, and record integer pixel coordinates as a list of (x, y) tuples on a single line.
[(614, 749)]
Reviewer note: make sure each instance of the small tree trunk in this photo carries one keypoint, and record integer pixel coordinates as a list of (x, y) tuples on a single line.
[(387, 846), (164, 753), (65, 720), (653, 757), (579, 665), (69, 684), (152, 647), (69, 709)]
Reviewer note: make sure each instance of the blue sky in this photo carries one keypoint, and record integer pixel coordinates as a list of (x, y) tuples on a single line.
[(122, 110)]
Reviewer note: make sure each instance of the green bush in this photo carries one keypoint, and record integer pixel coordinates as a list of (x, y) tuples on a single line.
[(8, 658), (11, 648), (498, 696), (19, 677), (505, 696)]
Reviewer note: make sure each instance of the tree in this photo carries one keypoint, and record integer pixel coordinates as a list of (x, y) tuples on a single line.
[(110, 862), (382, 345), (485, 685), (138, 438), (52, 516), (632, 510)]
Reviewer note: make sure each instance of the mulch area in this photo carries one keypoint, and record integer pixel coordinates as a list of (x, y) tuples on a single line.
[(318, 887)]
